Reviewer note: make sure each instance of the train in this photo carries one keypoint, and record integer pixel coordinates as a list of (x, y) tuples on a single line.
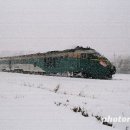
[(77, 62)]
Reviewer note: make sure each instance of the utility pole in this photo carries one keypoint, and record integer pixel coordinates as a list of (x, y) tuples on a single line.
[(115, 59)]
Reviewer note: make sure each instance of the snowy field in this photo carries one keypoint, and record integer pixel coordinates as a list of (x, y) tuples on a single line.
[(34, 102)]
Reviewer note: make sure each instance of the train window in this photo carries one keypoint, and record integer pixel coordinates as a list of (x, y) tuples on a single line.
[(35, 64), (61, 57), (83, 55), (56, 58), (54, 62), (97, 54), (92, 56), (10, 64), (45, 60), (48, 62), (51, 61), (66, 56)]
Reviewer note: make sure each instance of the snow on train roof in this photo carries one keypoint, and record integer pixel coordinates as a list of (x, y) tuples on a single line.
[(77, 49)]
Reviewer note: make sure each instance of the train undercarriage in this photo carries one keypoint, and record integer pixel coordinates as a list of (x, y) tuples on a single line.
[(64, 74)]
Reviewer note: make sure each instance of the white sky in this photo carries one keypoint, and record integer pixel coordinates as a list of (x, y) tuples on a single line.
[(44, 25)]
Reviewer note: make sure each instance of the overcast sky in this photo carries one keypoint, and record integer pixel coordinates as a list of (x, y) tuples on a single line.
[(44, 25)]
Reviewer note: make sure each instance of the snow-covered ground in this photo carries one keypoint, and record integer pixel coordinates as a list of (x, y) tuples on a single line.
[(34, 102)]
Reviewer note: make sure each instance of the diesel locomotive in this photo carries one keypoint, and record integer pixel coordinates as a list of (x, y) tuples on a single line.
[(77, 62)]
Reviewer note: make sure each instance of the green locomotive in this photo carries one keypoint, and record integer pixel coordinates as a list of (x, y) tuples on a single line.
[(77, 62)]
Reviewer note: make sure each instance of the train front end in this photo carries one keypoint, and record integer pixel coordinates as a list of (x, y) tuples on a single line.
[(107, 67), (97, 66)]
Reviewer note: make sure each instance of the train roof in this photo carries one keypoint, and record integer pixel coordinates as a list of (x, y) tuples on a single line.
[(72, 50), (78, 48)]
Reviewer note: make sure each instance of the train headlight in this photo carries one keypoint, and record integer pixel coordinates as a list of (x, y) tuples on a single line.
[(103, 63)]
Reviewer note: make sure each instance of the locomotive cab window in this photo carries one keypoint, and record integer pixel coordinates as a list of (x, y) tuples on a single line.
[(92, 56)]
